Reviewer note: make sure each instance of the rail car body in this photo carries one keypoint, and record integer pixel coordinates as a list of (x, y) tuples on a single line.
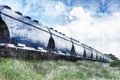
[(18, 31)]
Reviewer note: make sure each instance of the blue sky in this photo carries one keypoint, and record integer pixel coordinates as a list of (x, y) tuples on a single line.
[(94, 22)]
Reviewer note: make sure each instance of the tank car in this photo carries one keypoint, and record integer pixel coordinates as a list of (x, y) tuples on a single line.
[(19, 35)]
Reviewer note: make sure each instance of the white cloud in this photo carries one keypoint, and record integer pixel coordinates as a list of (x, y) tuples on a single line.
[(46, 11), (54, 8), (60, 8), (50, 8), (102, 34)]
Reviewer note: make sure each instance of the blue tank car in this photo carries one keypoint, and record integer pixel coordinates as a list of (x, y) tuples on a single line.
[(20, 32)]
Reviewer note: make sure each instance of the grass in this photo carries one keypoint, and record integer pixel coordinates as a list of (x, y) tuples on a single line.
[(19, 69)]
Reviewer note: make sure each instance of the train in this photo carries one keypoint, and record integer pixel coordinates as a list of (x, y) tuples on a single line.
[(20, 36)]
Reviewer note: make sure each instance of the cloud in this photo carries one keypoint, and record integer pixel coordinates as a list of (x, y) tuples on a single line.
[(47, 12), (60, 8), (100, 33)]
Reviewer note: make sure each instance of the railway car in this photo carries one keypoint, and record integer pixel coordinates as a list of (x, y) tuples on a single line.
[(20, 35)]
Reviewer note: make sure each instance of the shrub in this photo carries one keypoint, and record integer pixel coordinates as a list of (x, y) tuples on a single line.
[(115, 63)]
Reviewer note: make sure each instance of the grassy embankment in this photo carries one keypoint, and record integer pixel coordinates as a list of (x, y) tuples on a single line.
[(19, 69)]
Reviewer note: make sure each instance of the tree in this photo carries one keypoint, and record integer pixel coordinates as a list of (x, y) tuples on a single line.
[(111, 56)]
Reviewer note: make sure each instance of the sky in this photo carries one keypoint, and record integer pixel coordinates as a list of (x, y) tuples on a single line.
[(93, 22)]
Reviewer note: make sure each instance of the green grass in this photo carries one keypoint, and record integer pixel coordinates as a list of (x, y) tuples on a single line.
[(19, 69)]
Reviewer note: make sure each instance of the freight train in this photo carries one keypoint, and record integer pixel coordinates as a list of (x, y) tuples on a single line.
[(20, 37)]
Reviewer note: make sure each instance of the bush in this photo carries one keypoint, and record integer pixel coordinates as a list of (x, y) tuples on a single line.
[(111, 56), (115, 63)]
